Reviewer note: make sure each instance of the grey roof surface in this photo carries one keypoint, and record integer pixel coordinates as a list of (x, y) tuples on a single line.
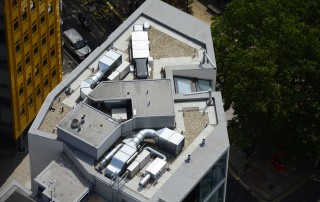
[(96, 128), (62, 176), (151, 97)]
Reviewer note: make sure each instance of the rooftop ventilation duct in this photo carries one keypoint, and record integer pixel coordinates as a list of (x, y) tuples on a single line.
[(109, 61), (123, 156)]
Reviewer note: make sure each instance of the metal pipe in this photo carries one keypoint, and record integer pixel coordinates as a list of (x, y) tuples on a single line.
[(210, 61), (160, 155), (145, 133), (144, 181), (109, 156)]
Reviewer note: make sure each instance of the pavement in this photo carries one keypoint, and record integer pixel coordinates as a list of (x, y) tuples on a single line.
[(266, 183)]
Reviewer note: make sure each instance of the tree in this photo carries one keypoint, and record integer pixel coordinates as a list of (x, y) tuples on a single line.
[(268, 58)]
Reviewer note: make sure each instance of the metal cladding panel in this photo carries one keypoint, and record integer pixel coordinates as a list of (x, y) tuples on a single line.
[(143, 158), (139, 36), (166, 134), (113, 55), (176, 138), (138, 28), (156, 167), (114, 76), (105, 63), (128, 150), (133, 169)]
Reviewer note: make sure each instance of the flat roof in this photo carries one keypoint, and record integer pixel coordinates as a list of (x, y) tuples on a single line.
[(63, 178), (97, 126), (150, 97)]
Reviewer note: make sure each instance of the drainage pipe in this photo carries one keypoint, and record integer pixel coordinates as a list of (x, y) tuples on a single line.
[(109, 156)]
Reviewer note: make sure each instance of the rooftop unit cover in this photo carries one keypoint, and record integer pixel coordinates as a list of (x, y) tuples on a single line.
[(141, 65)]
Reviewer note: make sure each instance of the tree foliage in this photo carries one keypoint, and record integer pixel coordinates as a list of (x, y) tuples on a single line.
[(268, 57)]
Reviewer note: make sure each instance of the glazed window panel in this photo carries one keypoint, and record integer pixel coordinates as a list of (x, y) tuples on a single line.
[(18, 48), (44, 61), (53, 72), (52, 52), (46, 82), (27, 59), (43, 40), (26, 37), (51, 31), (15, 24), (30, 100), (29, 80), (36, 70), (21, 90), (22, 110), (32, 6), (42, 19), (19, 68), (34, 28), (35, 49), (24, 14), (38, 91)]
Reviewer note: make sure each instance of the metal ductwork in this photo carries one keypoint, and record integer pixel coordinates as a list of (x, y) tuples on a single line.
[(109, 61), (160, 155), (107, 158), (124, 155)]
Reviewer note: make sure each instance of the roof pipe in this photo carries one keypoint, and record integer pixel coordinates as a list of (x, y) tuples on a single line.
[(109, 156), (158, 154), (141, 135), (144, 181)]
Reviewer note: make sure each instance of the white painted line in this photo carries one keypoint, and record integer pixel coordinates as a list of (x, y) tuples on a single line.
[(93, 35)]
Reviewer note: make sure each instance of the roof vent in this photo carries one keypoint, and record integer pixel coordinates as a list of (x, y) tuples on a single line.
[(75, 123)]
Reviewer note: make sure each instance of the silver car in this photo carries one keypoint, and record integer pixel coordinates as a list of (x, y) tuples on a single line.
[(76, 43)]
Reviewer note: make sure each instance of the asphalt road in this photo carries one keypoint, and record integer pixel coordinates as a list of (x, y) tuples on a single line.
[(238, 193)]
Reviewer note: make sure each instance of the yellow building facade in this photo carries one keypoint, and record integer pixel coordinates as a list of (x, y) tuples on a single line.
[(30, 61)]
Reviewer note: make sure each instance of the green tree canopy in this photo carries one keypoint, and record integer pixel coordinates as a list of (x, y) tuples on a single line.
[(268, 57)]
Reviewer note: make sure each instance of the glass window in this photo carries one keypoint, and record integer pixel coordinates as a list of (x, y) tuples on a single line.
[(183, 85), (35, 49), (44, 61), (14, 3), (203, 85), (30, 101), (29, 80), (42, 19), (27, 59), (50, 8), (26, 37), (36, 70), (24, 14), (43, 40), (32, 6), (212, 178), (52, 52), (51, 31), (34, 28), (45, 83), (21, 89), (218, 195), (15, 24), (18, 46), (19, 68), (38, 91), (53, 72), (22, 111)]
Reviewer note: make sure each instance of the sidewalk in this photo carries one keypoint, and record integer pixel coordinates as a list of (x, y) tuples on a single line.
[(261, 177)]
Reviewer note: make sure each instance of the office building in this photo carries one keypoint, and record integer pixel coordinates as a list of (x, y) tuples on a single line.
[(30, 61), (138, 120)]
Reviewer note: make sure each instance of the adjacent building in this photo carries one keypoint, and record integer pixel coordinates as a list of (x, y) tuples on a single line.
[(30, 61), (138, 120)]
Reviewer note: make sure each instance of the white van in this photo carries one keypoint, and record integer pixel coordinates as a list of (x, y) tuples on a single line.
[(76, 43)]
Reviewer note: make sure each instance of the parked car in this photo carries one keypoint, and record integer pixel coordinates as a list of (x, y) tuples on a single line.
[(76, 43)]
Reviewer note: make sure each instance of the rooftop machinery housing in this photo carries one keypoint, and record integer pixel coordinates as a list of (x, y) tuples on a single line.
[(118, 129)]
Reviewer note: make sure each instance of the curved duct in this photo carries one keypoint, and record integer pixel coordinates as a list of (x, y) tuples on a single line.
[(123, 156), (87, 85), (160, 155), (139, 137), (109, 156)]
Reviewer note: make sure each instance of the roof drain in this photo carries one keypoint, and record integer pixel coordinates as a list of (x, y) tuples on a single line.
[(109, 156)]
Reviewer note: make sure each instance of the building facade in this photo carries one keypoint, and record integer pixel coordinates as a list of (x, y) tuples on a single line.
[(30, 61)]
